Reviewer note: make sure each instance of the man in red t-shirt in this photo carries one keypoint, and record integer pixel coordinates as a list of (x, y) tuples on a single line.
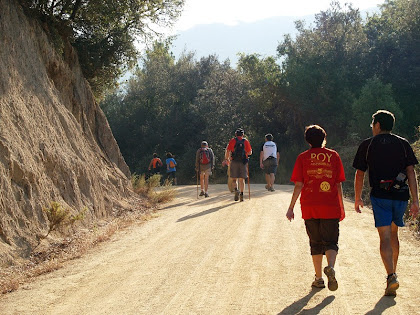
[(237, 152), (317, 175)]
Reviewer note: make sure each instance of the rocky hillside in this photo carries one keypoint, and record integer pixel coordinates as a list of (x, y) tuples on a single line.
[(55, 142)]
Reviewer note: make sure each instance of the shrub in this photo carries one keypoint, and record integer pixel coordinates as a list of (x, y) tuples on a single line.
[(152, 189)]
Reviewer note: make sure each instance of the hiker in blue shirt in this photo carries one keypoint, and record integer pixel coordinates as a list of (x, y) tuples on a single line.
[(170, 167)]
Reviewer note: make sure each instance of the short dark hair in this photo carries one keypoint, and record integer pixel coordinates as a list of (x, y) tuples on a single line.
[(155, 155), (385, 118), (269, 137), (239, 132), (315, 135), (169, 155)]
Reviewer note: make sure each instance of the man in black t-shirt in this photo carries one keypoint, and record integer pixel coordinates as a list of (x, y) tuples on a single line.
[(390, 161)]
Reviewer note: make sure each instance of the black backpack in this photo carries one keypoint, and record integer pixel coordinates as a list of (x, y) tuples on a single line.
[(238, 153)]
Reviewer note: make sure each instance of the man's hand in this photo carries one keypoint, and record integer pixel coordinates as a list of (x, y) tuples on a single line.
[(357, 205), (261, 165), (414, 209), (290, 214)]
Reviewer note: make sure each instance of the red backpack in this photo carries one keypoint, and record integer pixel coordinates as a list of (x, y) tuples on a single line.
[(204, 156)]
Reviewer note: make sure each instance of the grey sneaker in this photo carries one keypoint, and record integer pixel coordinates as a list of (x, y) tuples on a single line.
[(206, 195), (271, 188), (318, 283), (236, 195), (241, 197), (392, 285), (202, 193), (267, 187), (332, 281)]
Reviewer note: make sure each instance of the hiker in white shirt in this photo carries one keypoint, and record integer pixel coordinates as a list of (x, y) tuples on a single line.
[(269, 160)]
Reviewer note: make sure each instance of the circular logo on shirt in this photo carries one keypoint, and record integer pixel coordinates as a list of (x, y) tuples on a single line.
[(325, 186)]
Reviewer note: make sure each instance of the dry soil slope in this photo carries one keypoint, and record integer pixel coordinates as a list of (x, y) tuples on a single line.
[(55, 142)]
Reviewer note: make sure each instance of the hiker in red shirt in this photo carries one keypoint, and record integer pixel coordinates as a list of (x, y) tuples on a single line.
[(237, 152), (155, 164), (317, 175)]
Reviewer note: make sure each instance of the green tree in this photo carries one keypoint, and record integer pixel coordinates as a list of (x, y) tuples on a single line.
[(394, 40), (374, 96), (104, 32), (324, 67)]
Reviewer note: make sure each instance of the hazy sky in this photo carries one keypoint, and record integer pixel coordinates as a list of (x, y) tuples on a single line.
[(231, 12)]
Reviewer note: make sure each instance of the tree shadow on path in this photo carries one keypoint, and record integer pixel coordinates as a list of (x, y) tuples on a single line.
[(297, 307), (383, 303), (208, 211)]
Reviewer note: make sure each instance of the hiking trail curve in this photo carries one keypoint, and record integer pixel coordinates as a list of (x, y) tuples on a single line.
[(217, 256)]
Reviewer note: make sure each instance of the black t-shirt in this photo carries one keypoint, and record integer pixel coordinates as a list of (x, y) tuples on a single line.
[(385, 155)]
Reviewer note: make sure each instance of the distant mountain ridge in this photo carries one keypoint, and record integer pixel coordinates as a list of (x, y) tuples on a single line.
[(261, 37), (226, 41)]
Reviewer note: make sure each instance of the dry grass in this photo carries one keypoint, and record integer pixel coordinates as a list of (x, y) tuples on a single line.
[(152, 189), (51, 255)]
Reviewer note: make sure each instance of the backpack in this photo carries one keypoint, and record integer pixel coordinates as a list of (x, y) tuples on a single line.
[(171, 164), (238, 153), (157, 163), (204, 156)]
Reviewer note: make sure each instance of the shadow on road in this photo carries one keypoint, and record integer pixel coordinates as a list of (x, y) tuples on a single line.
[(297, 307), (174, 205), (383, 303), (208, 211)]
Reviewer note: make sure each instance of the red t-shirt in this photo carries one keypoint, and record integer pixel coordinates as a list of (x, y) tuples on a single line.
[(232, 142), (320, 170)]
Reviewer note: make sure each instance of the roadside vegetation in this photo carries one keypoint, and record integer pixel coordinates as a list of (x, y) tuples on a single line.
[(152, 189), (336, 72), (61, 244), (414, 223)]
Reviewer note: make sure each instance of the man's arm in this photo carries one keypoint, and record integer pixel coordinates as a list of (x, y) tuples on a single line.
[(261, 159), (278, 158), (414, 190), (296, 192), (358, 186), (227, 154)]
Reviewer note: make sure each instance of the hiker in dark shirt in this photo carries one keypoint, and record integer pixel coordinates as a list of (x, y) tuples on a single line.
[(390, 161)]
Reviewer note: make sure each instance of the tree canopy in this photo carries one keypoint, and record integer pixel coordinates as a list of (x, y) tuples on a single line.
[(104, 32), (335, 73)]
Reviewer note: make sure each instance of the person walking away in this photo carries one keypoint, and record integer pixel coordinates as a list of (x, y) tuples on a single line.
[(204, 164), (390, 162), (170, 167), (269, 160), (318, 174), (237, 153), (155, 164)]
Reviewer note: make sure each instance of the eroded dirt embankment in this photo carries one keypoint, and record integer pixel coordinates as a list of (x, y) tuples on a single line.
[(55, 142)]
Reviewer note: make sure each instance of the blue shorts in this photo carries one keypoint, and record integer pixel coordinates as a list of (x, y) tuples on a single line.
[(386, 211)]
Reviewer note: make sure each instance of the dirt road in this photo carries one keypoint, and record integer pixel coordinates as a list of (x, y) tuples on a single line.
[(217, 256)]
